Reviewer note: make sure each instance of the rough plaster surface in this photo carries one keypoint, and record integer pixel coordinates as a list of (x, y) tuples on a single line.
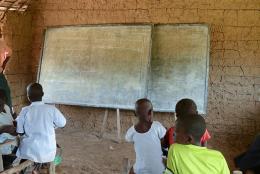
[(17, 32)]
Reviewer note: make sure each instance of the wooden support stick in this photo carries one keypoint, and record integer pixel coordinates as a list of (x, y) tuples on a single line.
[(1, 163), (104, 124), (118, 125), (52, 168), (126, 166), (18, 168)]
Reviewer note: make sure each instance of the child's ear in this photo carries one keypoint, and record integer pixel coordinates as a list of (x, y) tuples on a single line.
[(150, 112), (190, 139), (135, 114)]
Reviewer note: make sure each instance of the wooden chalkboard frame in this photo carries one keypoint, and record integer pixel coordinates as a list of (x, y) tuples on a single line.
[(94, 25)]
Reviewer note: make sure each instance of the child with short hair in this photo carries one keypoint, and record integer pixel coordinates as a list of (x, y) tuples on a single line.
[(183, 107), (146, 136), (37, 123), (186, 156)]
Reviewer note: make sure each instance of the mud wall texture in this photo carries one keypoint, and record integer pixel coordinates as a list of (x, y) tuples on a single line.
[(17, 31), (233, 115)]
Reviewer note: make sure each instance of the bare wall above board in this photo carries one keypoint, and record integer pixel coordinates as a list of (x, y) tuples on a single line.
[(111, 66)]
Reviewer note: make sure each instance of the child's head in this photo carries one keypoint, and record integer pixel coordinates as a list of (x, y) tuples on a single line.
[(34, 92), (189, 129), (185, 106), (144, 110), (3, 96)]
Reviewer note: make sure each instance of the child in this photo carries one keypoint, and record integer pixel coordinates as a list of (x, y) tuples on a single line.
[(183, 107), (7, 133), (37, 124), (146, 136), (186, 156)]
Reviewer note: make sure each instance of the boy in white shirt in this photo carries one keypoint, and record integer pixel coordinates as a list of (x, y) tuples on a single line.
[(37, 123), (146, 136)]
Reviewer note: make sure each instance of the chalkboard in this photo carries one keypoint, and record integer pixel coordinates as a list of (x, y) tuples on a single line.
[(179, 66), (102, 66), (113, 65)]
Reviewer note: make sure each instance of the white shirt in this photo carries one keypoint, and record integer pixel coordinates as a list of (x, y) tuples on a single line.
[(38, 122), (6, 119), (148, 149)]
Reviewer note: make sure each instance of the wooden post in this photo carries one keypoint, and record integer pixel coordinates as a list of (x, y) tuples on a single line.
[(1, 163), (104, 124), (118, 125), (126, 166), (52, 168)]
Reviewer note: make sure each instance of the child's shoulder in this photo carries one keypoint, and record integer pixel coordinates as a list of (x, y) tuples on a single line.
[(131, 129), (45, 106), (157, 124)]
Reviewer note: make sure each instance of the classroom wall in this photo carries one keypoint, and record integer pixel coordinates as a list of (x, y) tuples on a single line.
[(234, 79), (17, 32)]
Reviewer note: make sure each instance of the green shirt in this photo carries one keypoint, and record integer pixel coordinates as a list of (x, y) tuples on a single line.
[(4, 85), (191, 159)]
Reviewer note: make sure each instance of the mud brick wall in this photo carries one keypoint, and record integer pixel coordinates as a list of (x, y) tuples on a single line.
[(233, 115), (17, 30)]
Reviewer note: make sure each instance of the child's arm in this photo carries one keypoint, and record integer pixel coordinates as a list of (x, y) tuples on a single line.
[(8, 129), (204, 144), (164, 140), (170, 167), (59, 119), (204, 139), (20, 120)]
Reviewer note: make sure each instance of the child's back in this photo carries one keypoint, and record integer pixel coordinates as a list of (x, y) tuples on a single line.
[(192, 159), (187, 156), (148, 149), (37, 123)]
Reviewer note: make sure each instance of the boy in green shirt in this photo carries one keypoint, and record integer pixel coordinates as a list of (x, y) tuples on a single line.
[(187, 156)]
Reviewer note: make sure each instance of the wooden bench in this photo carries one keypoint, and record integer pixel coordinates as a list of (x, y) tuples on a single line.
[(21, 166)]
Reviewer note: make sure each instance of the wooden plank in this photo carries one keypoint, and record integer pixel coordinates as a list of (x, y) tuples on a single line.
[(7, 142), (104, 124), (118, 124), (18, 168)]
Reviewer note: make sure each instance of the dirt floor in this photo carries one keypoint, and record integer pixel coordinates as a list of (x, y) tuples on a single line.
[(85, 153)]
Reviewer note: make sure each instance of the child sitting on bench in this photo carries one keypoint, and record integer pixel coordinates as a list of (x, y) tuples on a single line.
[(37, 123)]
